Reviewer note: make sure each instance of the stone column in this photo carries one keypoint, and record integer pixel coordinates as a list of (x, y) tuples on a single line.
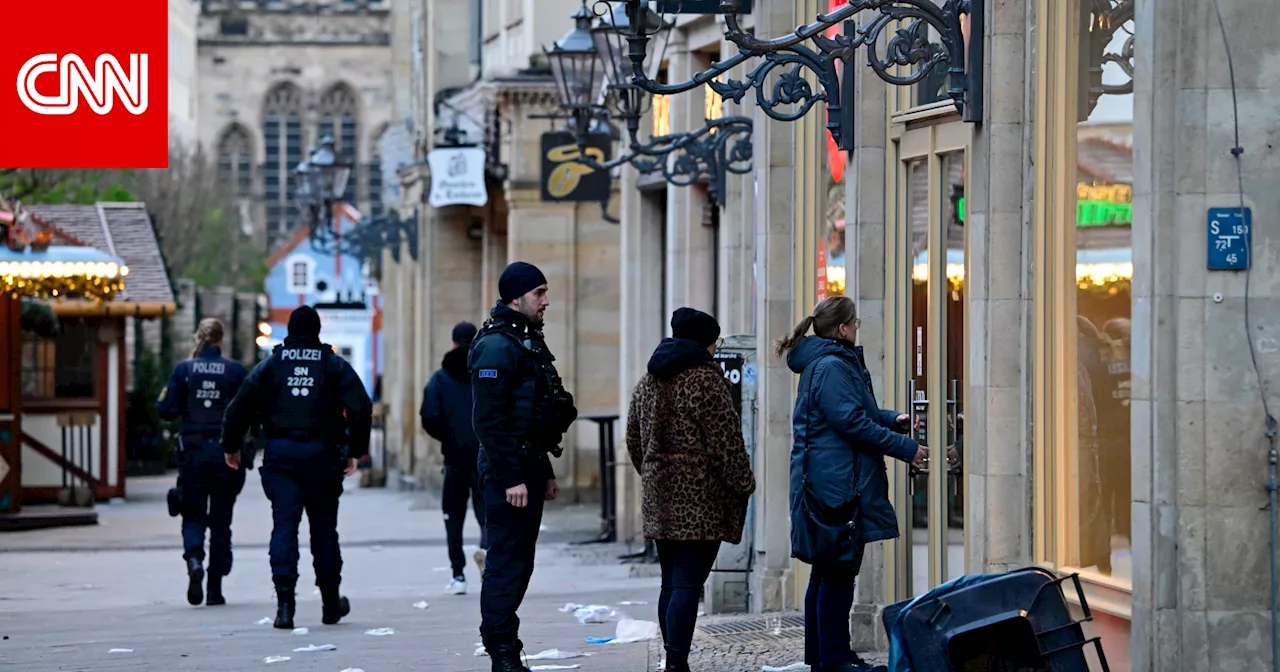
[(690, 255), (735, 284), (775, 206)]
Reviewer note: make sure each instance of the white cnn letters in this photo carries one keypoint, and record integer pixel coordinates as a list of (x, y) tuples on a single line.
[(101, 86)]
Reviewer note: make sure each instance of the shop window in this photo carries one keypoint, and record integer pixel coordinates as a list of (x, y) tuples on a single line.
[(61, 368), (1087, 204)]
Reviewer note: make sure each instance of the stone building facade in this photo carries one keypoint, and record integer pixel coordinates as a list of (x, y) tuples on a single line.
[(1038, 283), (274, 77), (478, 65)]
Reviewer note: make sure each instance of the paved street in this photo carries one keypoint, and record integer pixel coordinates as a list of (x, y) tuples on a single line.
[(69, 596)]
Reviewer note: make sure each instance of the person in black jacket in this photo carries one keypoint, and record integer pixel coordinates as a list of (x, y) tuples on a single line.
[(309, 402), (446, 417), (198, 393), (521, 414)]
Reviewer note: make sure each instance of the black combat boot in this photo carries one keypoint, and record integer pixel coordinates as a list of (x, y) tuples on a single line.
[(214, 591), (333, 606), (195, 582), (506, 657), (285, 606), (677, 661)]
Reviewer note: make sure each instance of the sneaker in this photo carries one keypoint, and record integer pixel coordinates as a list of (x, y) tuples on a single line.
[(479, 556), (458, 586)]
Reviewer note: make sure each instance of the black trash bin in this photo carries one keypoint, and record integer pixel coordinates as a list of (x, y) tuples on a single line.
[(1018, 621), (608, 507)]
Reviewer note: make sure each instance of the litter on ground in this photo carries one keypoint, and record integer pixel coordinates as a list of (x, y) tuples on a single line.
[(315, 647), (120, 651), (599, 640), (264, 621), (539, 668), (594, 613), (631, 603), (556, 654), (301, 631), (793, 667), (380, 632), (420, 605), (275, 659), (631, 630)]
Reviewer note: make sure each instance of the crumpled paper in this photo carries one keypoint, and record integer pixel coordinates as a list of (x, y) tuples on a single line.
[(315, 647), (594, 613), (380, 632), (631, 630), (301, 631), (275, 659)]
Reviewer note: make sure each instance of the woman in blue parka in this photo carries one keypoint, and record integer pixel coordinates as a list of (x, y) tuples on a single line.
[(839, 486)]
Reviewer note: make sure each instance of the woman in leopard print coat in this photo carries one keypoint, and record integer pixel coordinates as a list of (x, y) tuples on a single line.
[(685, 438)]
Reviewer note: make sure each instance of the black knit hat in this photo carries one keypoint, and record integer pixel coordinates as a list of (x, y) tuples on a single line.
[(304, 322), (464, 333), (695, 325), (519, 279)]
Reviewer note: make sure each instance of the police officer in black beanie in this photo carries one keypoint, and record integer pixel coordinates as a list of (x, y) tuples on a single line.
[(522, 412), (309, 403)]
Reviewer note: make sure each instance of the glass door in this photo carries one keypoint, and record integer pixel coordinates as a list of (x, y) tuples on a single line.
[(926, 312)]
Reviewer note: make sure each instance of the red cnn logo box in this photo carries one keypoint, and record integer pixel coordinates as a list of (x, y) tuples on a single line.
[(84, 84)]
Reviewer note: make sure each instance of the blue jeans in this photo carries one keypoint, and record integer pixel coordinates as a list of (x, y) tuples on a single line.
[(827, 604), (209, 491), (303, 477), (685, 568)]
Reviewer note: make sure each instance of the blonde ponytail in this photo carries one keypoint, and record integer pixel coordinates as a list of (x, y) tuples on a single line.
[(209, 332)]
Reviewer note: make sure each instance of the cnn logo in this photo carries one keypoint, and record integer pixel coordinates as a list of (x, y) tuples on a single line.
[(100, 87)]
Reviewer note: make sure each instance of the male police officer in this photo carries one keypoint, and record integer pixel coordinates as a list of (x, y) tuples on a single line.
[(300, 396), (521, 413), (198, 392)]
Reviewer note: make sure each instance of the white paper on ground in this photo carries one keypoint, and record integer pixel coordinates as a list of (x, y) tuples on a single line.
[(264, 621), (420, 605), (793, 667), (380, 632), (539, 668), (353, 669), (480, 651), (275, 659), (594, 613), (439, 569), (570, 607), (315, 647), (631, 603), (556, 654), (301, 631), (631, 630), (120, 651)]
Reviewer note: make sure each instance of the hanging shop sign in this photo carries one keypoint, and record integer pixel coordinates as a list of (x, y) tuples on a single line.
[(457, 177), (566, 179)]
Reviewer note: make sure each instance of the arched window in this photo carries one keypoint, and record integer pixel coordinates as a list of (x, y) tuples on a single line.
[(337, 111), (376, 206), (235, 160), (282, 144)]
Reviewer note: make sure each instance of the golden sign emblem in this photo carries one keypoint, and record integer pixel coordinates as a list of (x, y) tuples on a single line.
[(568, 174)]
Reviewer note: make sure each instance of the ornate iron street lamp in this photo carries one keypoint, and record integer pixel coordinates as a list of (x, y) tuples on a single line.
[(926, 35), (321, 182), (592, 70)]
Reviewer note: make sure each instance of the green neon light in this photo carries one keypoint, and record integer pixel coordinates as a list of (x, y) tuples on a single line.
[(1088, 213)]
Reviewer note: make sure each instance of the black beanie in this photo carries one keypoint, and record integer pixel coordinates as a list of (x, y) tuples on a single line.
[(519, 279), (464, 333), (304, 322), (695, 325)]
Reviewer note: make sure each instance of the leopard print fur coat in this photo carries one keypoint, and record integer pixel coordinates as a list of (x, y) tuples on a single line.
[(684, 436)]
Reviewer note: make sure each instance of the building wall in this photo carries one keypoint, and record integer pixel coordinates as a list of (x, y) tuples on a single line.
[(183, 79), (244, 55)]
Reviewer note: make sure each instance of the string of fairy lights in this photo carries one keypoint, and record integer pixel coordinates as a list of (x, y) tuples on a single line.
[(30, 267)]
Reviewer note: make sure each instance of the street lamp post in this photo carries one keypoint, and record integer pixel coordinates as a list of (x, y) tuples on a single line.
[(591, 67), (322, 181)]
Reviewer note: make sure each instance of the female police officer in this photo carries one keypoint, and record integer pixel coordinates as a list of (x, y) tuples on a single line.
[(198, 393)]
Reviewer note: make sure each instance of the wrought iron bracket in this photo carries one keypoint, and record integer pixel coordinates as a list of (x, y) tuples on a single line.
[(721, 147), (925, 36), (370, 237)]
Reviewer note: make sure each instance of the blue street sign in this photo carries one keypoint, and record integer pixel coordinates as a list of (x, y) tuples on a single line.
[(1230, 239), (698, 7)]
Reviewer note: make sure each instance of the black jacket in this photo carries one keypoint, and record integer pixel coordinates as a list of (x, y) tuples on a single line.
[(173, 403), (446, 410), (511, 400), (350, 419), (841, 437)]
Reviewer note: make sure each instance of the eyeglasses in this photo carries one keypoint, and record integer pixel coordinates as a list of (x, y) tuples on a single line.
[(857, 322), (719, 343)]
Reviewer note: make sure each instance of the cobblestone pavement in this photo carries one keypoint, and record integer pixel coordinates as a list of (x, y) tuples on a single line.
[(738, 643)]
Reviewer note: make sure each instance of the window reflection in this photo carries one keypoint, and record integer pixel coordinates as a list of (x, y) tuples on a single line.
[(1104, 269)]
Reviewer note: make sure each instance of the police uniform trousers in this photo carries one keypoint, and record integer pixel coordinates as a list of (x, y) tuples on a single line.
[(209, 491), (461, 484), (303, 476), (512, 534)]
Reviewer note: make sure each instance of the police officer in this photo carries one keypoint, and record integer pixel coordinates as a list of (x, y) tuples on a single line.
[(198, 393), (308, 401), (521, 413)]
